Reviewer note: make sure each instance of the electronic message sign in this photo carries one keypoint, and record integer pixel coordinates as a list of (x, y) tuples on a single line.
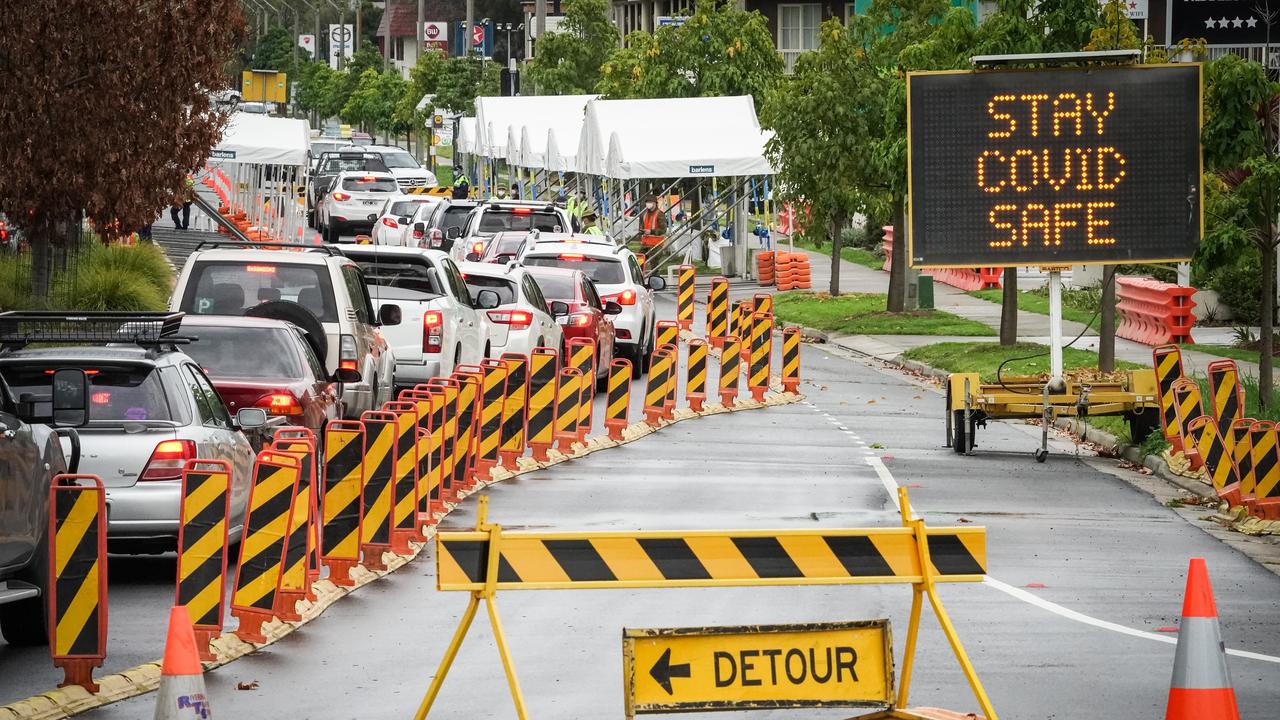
[(1054, 167)]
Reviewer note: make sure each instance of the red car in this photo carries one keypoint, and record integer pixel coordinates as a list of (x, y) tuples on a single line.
[(577, 307), (256, 362)]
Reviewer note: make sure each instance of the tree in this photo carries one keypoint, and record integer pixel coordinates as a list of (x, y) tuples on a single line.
[(108, 128), (1067, 24), (319, 89), (1239, 139), (568, 62), (719, 50), (274, 51), (1114, 30), (372, 105), (465, 79)]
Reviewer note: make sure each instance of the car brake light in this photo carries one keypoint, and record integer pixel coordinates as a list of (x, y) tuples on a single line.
[(522, 210), (280, 404), (341, 196), (391, 223), (418, 234), (368, 178), (167, 460), (572, 256), (432, 331), (518, 318), (477, 247), (267, 269), (437, 238), (580, 320), (626, 297), (347, 353), (100, 398)]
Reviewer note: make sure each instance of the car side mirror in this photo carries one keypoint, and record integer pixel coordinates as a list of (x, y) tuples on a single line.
[(403, 220), (420, 228), (389, 314), (70, 397), (612, 308), (453, 233), (656, 282), (488, 299), (559, 308), (346, 375), (473, 257), (251, 418)]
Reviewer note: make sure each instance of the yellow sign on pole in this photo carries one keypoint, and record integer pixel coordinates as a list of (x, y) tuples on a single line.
[(264, 86), (838, 664)]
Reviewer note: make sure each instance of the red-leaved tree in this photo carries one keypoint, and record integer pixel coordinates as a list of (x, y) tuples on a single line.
[(104, 109)]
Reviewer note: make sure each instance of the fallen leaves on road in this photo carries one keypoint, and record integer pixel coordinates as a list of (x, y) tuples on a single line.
[(1140, 469), (251, 685), (871, 402), (963, 520)]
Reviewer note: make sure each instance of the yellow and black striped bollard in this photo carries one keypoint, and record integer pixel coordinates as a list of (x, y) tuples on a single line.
[(404, 486), (302, 441), (295, 582), (343, 486), (1167, 360), (618, 398), (668, 334), (428, 459), (762, 303), (379, 471), (582, 357), (275, 484), (442, 463), (495, 390), (730, 360), (791, 359), (78, 586), (447, 391), (656, 391), (1266, 466), (202, 547), (746, 323), (686, 277), (470, 410), (1217, 459), (695, 389), (673, 380), (718, 311), (1242, 453), (515, 409), (1225, 395), (566, 433), (543, 366), (761, 355), (1186, 398)]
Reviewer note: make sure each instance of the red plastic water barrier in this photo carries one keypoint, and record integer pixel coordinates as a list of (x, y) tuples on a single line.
[(1154, 312), (888, 247)]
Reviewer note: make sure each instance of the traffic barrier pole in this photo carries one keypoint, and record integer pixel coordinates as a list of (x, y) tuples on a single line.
[(275, 485), (655, 396), (695, 388), (544, 364), (582, 355), (1242, 453), (295, 581), (470, 405), (668, 333), (730, 358), (344, 451), (302, 441), (77, 593), (1186, 398), (718, 311), (1201, 686), (673, 379), (566, 420), (454, 450), (744, 330), (379, 470), (618, 398), (761, 355), (791, 359), (687, 277), (203, 522), (515, 409), (1217, 458), (762, 303), (1167, 361), (495, 390), (1266, 468), (428, 458), (404, 485), (1267, 491), (1226, 395)]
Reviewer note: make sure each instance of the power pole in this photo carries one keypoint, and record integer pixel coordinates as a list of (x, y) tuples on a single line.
[(540, 8), (355, 43), (466, 34)]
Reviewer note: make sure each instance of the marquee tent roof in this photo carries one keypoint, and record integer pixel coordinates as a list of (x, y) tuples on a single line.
[(253, 138), (465, 142), (496, 116)]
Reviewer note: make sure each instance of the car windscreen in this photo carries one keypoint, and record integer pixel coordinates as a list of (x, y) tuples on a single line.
[(237, 352), (230, 288), (507, 245), (557, 287), (401, 273), (335, 164), (399, 160), (454, 216), (116, 393), (501, 220), (604, 271), (506, 289), (400, 208), (370, 184)]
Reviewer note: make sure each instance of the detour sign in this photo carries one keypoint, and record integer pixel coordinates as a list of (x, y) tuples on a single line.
[(843, 664)]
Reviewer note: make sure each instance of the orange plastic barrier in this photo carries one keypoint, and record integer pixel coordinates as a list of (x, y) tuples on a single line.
[(1153, 312)]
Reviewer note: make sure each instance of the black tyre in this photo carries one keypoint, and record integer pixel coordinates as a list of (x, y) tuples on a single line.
[(959, 433)]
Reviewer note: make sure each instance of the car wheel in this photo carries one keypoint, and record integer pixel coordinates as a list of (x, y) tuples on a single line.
[(331, 234), (23, 623)]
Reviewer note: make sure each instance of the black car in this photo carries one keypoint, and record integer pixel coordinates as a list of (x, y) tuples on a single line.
[(442, 223), (331, 164)]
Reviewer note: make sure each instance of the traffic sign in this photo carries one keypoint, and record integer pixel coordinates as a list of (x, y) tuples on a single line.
[(838, 664), (1054, 167), (477, 35)]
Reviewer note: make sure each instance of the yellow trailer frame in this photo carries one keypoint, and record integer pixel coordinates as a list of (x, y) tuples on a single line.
[(971, 402)]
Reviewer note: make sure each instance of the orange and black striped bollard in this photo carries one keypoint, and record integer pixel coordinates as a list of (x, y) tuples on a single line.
[(543, 367), (791, 359), (718, 311), (695, 392), (730, 359), (618, 398), (686, 277)]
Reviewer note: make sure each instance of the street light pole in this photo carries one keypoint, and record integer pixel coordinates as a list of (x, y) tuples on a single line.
[(466, 34)]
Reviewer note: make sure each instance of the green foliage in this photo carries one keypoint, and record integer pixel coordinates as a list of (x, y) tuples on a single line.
[(15, 292), (465, 79), (1153, 444), (1009, 30), (1068, 24), (374, 102), (101, 287), (863, 314), (274, 51), (1239, 284), (320, 89), (1115, 30), (146, 262), (569, 61), (1234, 90)]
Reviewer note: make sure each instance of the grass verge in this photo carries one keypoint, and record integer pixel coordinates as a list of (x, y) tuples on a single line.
[(1039, 304), (863, 314), (858, 256), (1225, 351)]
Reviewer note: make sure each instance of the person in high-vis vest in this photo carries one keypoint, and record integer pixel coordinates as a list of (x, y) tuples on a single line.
[(653, 224), (461, 184), (589, 226)]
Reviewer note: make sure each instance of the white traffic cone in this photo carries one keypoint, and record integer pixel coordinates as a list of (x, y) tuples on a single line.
[(181, 695)]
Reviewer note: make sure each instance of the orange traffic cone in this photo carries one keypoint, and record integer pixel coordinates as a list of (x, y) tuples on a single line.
[(1201, 688), (182, 695)]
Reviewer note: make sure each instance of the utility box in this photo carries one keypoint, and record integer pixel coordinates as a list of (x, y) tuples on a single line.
[(924, 292), (264, 86)]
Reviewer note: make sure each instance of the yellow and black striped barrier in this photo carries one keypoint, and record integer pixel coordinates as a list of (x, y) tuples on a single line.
[(761, 355), (668, 333), (695, 388), (718, 311), (489, 559), (404, 484), (1217, 458), (470, 407), (275, 486), (1167, 360), (582, 357), (436, 190), (453, 453), (302, 441), (730, 360), (344, 450), (425, 401), (566, 421), (1226, 395), (618, 398), (77, 577), (686, 277), (441, 464), (544, 364), (673, 380), (656, 389), (203, 525), (1187, 407), (515, 408), (791, 359), (762, 303), (1266, 462), (379, 473), (495, 390), (745, 330), (1242, 453), (295, 582)]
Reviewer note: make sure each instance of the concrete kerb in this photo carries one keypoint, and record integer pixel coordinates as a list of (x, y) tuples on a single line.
[(142, 679)]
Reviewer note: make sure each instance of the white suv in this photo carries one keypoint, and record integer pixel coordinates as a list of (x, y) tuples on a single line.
[(353, 203), (522, 320), (616, 274), (408, 171), (499, 216), (305, 288)]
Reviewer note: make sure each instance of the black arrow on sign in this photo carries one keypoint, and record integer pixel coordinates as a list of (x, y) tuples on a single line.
[(663, 671)]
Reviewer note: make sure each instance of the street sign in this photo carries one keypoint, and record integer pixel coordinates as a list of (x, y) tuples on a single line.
[(1134, 9), (839, 664), (308, 43), (434, 30), (1222, 22), (477, 35), (1054, 167), (341, 43), (672, 20)]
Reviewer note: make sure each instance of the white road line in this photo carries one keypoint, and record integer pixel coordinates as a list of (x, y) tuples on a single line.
[(886, 479)]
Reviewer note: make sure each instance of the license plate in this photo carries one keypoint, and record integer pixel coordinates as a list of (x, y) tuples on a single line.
[(562, 320), (372, 202)]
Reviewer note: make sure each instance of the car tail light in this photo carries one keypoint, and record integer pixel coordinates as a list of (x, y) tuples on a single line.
[(432, 331), (572, 256), (418, 234), (341, 196), (580, 319), (626, 297), (265, 269), (623, 334), (437, 238), (347, 356), (391, 223), (167, 459), (522, 210), (518, 318), (477, 247), (279, 404)]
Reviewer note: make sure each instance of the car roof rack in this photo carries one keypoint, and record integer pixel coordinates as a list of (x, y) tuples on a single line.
[(251, 245), (20, 328)]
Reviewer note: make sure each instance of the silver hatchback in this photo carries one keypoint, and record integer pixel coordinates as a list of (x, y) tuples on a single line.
[(151, 409)]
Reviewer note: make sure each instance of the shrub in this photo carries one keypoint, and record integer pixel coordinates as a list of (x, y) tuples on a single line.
[(1239, 287), (144, 260), (101, 286), (15, 282)]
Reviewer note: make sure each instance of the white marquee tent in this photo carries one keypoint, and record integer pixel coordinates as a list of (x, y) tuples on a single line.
[(261, 140), (465, 142), (496, 116)]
